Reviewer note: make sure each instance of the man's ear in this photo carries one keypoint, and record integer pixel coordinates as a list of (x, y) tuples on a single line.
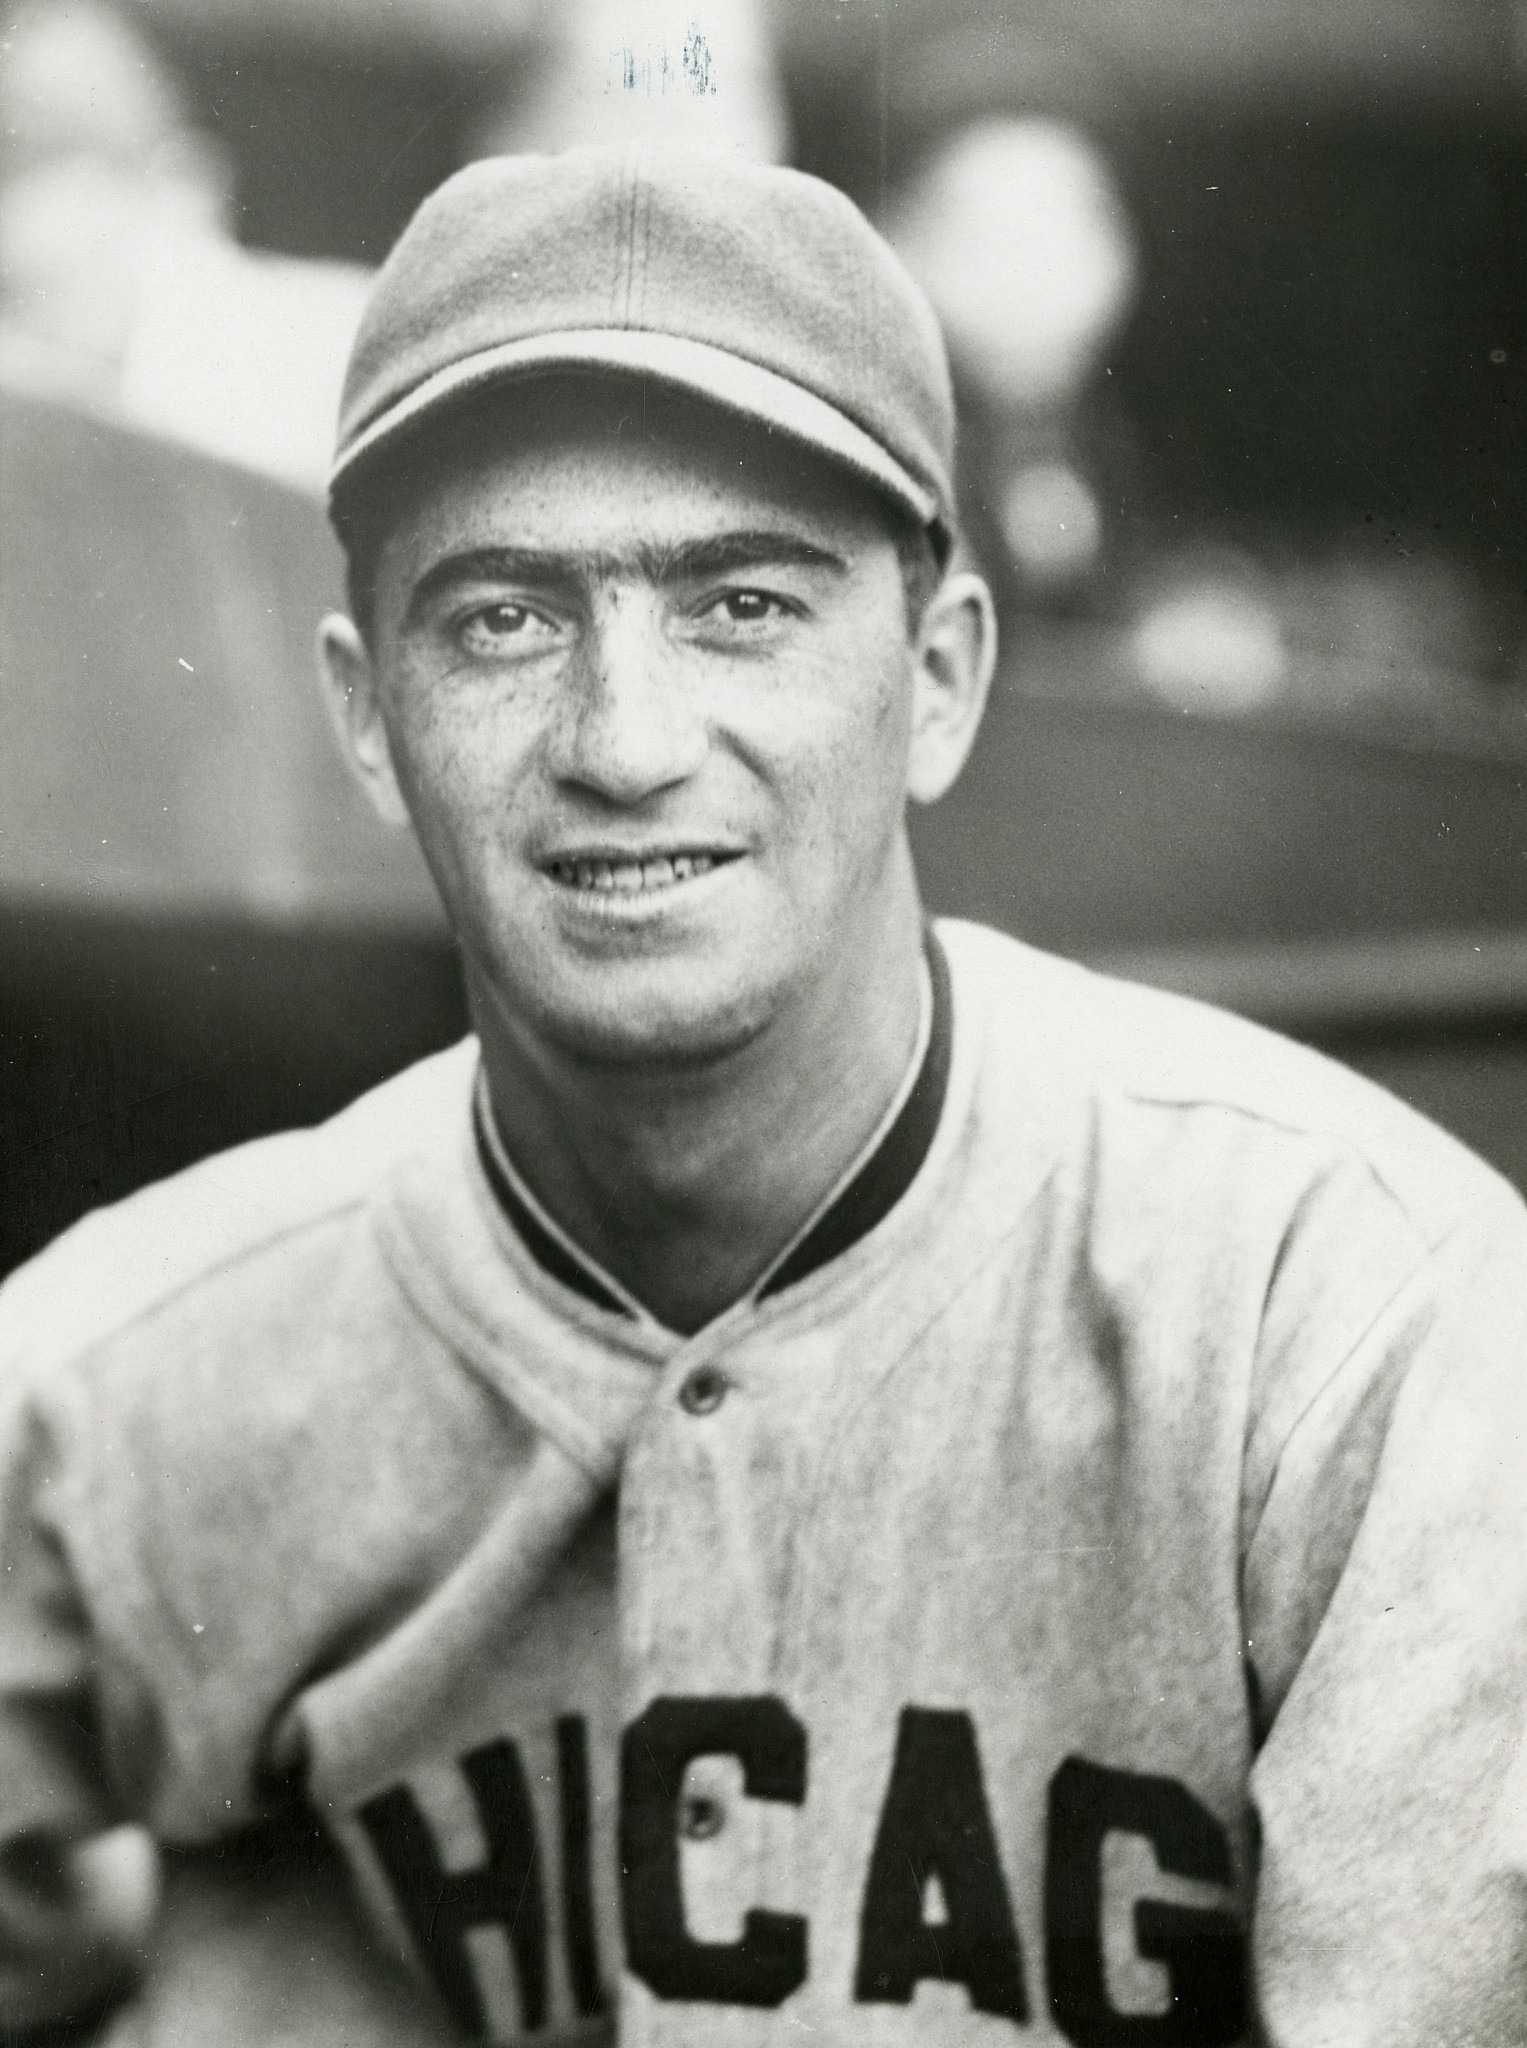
[(351, 692), (954, 653)]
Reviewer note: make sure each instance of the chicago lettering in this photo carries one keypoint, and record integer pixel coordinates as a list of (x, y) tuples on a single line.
[(441, 1907), (934, 1825)]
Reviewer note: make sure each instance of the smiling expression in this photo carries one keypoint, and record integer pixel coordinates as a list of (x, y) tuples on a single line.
[(645, 685)]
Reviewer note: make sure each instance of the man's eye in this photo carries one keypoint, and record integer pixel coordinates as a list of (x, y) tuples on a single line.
[(747, 608), (498, 628)]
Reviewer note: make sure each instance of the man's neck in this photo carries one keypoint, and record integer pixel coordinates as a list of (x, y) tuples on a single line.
[(685, 1187)]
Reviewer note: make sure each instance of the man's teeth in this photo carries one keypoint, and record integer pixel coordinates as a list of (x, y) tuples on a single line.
[(628, 878)]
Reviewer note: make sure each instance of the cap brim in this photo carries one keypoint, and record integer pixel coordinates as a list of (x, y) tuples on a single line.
[(696, 366)]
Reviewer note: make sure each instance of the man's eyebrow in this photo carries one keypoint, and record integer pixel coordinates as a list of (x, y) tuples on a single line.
[(681, 561), (753, 547)]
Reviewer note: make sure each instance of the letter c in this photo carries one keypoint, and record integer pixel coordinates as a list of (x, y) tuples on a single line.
[(769, 1962)]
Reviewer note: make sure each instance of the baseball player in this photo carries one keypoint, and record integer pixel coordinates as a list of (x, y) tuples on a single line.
[(821, 1478)]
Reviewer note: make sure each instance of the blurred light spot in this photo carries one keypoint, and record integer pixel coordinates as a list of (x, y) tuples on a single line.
[(1020, 238), (1051, 523), (1211, 649)]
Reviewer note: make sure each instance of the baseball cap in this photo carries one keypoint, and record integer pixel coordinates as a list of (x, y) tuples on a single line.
[(760, 289)]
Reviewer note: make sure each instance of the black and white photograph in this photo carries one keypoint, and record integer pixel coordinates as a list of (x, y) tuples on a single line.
[(763, 1024)]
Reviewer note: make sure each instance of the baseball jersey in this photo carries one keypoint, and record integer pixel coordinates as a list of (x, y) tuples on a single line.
[(1080, 1594)]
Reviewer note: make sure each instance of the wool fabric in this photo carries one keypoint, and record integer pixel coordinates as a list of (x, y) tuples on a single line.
[(760, 289)]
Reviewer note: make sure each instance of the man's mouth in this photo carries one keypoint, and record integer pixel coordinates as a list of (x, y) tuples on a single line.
[(634, 877)]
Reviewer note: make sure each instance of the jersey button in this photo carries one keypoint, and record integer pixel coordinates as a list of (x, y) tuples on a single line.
[(701, 1818), (703, 1390)]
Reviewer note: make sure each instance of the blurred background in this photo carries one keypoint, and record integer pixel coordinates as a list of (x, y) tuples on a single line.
[(1237, 298)]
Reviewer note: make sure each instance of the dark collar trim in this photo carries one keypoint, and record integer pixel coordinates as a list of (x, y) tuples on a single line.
[(892, 1167), (552, 1257), (869, 1197)]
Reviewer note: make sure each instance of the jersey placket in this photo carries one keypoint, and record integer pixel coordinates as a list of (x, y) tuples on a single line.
[(714, 1762)]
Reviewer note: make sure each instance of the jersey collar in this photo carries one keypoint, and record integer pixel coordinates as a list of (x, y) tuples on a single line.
[(871, 1186)]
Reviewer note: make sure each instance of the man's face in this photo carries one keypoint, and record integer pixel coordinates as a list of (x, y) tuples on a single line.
[(646, 682)]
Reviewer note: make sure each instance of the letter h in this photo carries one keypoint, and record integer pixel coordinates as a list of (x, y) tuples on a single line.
[(442, 1906)]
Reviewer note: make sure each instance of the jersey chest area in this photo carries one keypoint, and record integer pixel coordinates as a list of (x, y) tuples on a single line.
[(895, 1694)]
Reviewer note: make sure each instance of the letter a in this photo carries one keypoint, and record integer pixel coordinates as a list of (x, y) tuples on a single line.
[(936, 1824)]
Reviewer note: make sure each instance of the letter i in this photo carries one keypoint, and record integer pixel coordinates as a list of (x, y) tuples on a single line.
[(577, 1882)]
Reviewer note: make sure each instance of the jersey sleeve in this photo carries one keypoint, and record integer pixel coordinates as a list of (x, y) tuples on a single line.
[(76, 1886), (255, 1940), (1386, 1614)]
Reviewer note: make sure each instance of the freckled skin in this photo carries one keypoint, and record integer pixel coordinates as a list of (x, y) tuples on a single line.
[(629, 714), (611, 621)]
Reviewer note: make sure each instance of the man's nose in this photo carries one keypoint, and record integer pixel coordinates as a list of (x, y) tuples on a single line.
[(628, 724)]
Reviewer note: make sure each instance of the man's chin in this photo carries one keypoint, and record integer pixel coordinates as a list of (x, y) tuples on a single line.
[(666, 1042), (663, 1023)]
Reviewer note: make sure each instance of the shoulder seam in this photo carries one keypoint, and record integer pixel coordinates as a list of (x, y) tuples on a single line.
[(1341, 1142), (1431, 1254), (165, 1297), (248, 1240)]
